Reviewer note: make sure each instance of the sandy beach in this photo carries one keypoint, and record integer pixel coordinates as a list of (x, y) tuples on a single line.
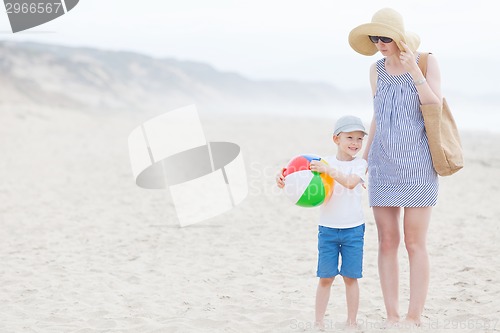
[(84, 250)]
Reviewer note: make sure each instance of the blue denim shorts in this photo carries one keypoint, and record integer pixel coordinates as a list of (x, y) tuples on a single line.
[(348, 243)]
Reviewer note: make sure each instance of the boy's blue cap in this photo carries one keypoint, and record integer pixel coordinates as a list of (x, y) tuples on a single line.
[(349, 124)]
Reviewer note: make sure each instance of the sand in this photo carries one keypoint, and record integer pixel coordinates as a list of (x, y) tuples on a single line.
[(85, 250)]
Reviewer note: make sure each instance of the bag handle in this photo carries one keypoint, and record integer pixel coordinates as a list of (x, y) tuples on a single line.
[(422, 63)]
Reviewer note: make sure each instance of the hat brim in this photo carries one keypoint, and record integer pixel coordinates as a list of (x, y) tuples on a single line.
[(359, 41), (350, 128)]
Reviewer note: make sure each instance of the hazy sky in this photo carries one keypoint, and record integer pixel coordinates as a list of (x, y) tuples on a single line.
[(273, 39)]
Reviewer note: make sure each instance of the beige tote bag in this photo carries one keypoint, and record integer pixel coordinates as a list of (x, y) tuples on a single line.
[(442, 133)]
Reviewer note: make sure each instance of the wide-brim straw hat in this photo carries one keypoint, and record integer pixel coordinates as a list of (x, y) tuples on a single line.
[(386, 23)]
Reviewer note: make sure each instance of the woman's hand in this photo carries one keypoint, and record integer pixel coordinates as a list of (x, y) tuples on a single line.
[(409, 62)]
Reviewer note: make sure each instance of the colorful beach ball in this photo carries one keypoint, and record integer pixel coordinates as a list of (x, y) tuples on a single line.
[(304, 187)]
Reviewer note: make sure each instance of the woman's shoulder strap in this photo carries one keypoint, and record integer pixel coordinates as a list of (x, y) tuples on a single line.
[(422, 62)]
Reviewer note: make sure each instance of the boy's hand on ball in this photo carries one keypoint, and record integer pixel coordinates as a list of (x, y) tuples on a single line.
[(318, 166), (280, 179)]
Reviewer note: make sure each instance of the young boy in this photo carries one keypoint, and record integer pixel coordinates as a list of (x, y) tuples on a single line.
[(341, 222)]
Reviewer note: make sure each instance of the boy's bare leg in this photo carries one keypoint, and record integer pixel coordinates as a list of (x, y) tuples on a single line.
[(352, 299), (322, 298)]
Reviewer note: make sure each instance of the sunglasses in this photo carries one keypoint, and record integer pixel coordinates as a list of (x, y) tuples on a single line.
[(375, 39)]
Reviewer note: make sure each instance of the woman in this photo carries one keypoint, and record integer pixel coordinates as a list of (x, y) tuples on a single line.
[(401, 175)]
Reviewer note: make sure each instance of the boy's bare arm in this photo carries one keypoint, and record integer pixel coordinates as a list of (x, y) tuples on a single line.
[(348, 181)]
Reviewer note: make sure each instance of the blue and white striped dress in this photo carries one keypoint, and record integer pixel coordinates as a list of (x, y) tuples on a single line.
[(399, 161)]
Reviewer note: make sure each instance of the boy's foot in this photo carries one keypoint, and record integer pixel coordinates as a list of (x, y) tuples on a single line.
[(319, 326), (349, 326)]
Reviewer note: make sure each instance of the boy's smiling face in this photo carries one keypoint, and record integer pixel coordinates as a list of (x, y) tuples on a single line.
[(349, 144)]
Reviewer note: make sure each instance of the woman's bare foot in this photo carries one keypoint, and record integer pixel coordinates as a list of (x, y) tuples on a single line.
[(410, 323), (391, 322)]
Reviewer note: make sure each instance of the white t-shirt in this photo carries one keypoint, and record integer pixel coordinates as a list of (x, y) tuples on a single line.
[(344, 209)]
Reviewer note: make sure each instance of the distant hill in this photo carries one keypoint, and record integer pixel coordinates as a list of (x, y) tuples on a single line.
[(85, 78)]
